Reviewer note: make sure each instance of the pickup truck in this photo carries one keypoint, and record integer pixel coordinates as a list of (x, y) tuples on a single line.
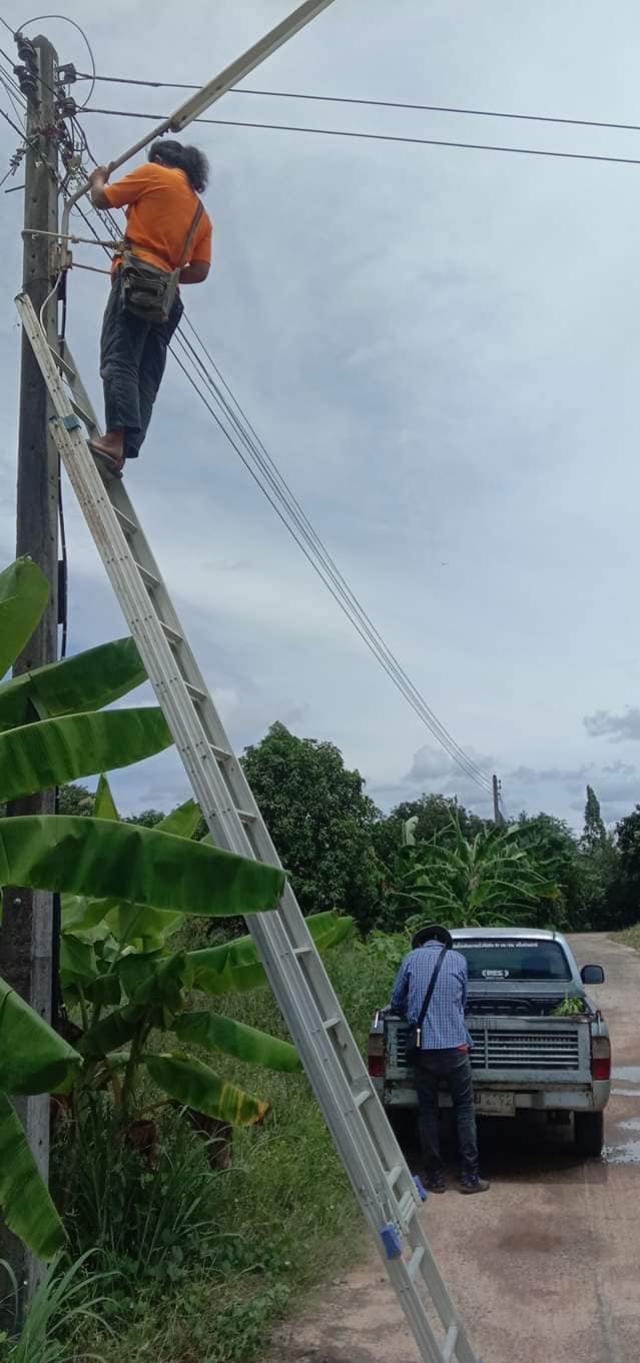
[(525, 1056)]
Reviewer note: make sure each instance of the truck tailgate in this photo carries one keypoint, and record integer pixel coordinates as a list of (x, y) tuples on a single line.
[(515, 1051), (507, 1049)]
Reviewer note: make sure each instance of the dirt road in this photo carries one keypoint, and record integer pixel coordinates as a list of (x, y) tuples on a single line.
[(545, 1266)]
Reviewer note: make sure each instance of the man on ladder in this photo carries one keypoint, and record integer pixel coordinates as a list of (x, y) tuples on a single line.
[(168, 242)]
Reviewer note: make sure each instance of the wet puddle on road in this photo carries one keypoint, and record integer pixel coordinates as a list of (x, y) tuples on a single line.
[(626, 1150), (626, 1153), (626, 1074)]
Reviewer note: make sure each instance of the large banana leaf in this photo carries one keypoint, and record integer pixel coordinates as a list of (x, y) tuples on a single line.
[(24, 592), (24, 1197), (128, 922), (139, 922), (83, 856), (87, 681), (237, 966), (192, 1083), (33, 1058), (217, 1033), (183, 821), (45, 754), (104, 805)]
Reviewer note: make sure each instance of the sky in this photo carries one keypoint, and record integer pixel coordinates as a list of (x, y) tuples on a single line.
[(438, 346)]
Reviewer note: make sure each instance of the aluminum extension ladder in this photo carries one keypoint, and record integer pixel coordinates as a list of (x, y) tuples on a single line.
[(382, 1182)]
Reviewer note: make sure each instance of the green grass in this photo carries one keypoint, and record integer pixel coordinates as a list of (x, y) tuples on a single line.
[(283, 1215), (630, 936)]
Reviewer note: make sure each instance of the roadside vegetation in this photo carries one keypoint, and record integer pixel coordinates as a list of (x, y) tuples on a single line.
[(194, 1190)]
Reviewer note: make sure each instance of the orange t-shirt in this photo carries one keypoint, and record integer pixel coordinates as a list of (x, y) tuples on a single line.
[(160, 206)]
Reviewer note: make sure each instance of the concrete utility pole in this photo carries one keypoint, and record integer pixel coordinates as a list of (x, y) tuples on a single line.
[(497, 812), (26, 932)]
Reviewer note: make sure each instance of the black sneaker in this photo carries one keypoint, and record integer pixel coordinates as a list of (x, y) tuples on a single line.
[(436, 1184), (474, 1185)]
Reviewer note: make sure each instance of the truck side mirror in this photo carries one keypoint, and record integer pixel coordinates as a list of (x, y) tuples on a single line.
[(592, 974)]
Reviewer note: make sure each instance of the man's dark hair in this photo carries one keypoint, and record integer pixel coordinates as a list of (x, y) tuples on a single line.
[(189, 159)]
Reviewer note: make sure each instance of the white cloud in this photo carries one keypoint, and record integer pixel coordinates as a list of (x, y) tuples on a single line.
[(604, 724)]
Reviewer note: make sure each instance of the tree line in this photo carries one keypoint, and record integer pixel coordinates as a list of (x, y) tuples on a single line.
[(430, 854)]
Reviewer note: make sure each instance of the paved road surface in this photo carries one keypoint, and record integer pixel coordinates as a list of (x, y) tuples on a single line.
[(546, 1266)]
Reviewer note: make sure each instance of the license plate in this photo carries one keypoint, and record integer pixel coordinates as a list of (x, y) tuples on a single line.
[(496, 1104)]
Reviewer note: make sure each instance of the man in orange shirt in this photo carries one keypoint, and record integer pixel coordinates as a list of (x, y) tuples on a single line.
[(161, 199)]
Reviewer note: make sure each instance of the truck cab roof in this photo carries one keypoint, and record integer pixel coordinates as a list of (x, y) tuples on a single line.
[(499, 934)]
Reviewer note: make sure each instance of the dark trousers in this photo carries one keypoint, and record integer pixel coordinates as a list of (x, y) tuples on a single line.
[(455, 1068), (133, 355)]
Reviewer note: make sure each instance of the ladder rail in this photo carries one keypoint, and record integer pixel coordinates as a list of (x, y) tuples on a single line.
[(363, 1137)]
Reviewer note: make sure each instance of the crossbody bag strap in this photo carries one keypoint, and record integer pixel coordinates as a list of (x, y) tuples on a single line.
[(427, 998), (188, 241)]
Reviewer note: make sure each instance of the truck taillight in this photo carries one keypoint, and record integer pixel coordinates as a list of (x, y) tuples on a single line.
[(376, 1056), (600, 1057)]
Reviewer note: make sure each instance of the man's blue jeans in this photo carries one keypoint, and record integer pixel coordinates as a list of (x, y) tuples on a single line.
[(454, 1067), (133, 355)]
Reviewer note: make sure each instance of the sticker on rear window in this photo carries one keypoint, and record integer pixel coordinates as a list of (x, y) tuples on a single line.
[(498, 946), (495, 974)]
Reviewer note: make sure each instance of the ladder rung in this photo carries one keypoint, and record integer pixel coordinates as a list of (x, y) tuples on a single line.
[(407, 1206), (126, 522), (221, 753), (245, 816), (84, 415), (149, 579), (449, 1344), (331, 1022), (394, 1175), (196, 693), (362, 1096), (173, 635), (412, 1268)]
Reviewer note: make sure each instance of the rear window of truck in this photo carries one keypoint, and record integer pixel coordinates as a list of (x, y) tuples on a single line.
[(514, 960)]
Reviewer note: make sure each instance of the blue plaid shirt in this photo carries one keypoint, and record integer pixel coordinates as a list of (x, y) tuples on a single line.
[(444, 1026)]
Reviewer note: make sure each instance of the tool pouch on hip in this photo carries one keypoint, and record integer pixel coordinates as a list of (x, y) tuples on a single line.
[(147, 292)]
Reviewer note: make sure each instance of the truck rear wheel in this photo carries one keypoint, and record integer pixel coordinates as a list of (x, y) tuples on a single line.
[(589, 1134)]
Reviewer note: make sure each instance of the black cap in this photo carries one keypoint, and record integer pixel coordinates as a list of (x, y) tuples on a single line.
[(432, 932)]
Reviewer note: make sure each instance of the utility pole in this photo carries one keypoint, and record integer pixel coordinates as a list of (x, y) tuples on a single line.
[(26, 932), (497, 812)]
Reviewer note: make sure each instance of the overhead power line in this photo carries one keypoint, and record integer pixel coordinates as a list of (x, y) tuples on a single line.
[(16, 129), (377, 103), (384, 137)]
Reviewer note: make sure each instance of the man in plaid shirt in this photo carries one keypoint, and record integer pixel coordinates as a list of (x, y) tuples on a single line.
[(444, 1051)]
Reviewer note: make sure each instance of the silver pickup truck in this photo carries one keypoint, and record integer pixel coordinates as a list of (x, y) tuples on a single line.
[(525, 1057)]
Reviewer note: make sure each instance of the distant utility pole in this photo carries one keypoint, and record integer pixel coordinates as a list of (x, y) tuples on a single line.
[(26, 932), (497, 812)]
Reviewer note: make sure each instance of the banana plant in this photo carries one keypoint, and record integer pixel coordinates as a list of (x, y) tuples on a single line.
[(118, 967), (489, 879), (125, 889), (52, 730)]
